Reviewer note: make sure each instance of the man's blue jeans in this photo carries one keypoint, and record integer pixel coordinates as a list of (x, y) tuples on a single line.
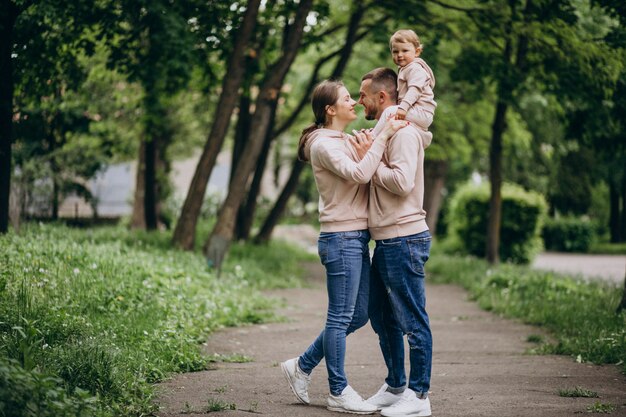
[(346, 258), (398, 306)]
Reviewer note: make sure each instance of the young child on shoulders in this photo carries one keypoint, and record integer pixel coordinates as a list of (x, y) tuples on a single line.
[(416, 81)]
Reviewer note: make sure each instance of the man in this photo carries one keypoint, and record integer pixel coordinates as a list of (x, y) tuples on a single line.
[(397, 222)]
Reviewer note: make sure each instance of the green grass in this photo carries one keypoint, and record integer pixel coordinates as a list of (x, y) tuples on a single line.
[(577, 392), (90, 319), (608, 248), (580, 316), (601, 408)]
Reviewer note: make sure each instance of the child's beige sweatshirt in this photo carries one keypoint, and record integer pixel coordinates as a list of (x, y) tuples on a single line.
[(416, 82), (341, 181), (396, 202)]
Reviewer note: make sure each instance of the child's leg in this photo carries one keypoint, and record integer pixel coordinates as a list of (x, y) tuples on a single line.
[(420, 117)]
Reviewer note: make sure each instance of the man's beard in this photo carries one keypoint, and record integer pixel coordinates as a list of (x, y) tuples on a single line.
[(369, 115)]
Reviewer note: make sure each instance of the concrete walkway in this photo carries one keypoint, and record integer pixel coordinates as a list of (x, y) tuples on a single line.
[(480, 365)]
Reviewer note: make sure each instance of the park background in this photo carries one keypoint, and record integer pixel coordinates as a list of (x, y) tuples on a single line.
[(529, 153)]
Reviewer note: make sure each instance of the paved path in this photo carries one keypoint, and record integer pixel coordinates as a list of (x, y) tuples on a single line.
[(480, 365), (611, 268)]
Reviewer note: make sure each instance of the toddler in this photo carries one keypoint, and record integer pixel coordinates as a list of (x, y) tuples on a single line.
[(416, 101)]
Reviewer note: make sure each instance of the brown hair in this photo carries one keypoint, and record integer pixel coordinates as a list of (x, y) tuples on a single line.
[(406, 36), (325, 94), (383, 79)]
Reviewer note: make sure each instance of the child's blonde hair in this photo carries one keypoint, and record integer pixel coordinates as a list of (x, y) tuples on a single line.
[(406, 36)]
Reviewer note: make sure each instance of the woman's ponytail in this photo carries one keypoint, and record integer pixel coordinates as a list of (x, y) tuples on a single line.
[(304, 138)]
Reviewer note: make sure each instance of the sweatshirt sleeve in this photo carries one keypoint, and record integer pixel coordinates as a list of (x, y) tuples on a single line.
[(416, 79), (341, 165), (398, 176)]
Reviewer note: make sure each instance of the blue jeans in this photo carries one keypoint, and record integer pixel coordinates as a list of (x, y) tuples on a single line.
[(346, 258), (398, 306)]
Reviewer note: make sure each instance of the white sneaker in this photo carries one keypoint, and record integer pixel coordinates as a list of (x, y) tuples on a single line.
[(408, 406), (298, 380), (384, 398), (349, 402)]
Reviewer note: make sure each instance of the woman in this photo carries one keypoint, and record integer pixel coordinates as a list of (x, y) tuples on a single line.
[(343, 242)]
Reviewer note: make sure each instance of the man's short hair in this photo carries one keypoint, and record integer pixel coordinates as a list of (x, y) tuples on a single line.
[(383, 79)]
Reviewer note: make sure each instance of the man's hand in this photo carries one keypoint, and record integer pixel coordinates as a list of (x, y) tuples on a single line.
[(400, 114), (361, 142)]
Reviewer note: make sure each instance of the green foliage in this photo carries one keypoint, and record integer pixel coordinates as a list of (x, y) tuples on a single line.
[(601, 408), (579, 315), (578, 392), (522, 217), (608, 248), (568, 234), (31, 393), (92, 318)]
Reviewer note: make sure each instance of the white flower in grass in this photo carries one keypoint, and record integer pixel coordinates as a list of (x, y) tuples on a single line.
[(94, 266), (41, 270), (76, 271)]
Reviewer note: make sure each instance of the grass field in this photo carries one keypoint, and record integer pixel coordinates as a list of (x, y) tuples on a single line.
[(580, 316), (90, 319)]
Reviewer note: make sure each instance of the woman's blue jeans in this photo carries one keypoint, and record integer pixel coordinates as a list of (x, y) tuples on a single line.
[(347, 260), (398, 306)]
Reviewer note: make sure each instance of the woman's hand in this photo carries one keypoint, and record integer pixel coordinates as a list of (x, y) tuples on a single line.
[(361, 141)]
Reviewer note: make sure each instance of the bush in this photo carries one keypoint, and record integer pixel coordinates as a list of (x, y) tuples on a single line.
[(31, 393), (568, 234), (522, 216)]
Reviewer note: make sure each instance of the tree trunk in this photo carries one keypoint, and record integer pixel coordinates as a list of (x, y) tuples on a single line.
[(344, 52), (150, 197), (275, 214), (614, 212), (138, 220), (184, 234), (495, 177), (434, 181), (622, 223), (217, 244), (8, 15), (15, 205), (245, 216)]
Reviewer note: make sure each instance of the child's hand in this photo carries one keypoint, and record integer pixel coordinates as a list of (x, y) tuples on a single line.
[(400, 114)]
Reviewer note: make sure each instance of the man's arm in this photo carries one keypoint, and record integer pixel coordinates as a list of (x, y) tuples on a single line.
[(398, 176)]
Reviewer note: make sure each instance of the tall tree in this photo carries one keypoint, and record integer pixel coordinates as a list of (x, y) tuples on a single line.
[(9, 12), (185, 232), (39, 45), (523, 47), (217, 244)]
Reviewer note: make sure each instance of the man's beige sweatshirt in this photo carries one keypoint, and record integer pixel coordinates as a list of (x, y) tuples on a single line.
[(396, 201), (341, 181)]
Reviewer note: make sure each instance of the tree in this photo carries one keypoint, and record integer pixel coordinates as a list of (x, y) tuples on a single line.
[(39, 45), (524, 46), (217, 244), (9, 11), (185, 232), (155, 43)]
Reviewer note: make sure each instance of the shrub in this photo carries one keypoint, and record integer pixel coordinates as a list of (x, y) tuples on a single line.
[(568, 234), (522, 216)]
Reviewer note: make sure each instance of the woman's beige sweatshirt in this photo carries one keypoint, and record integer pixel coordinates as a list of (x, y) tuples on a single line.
[(342, 182)]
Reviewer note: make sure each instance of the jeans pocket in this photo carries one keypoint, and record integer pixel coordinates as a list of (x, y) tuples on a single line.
[(322, 249), (420, 252)]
